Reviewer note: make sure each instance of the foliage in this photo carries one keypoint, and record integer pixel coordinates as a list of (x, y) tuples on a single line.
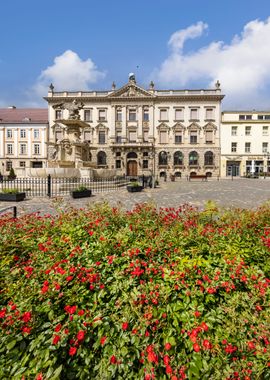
[(12, 174), (104, 293), (10, 191), (81, 188)]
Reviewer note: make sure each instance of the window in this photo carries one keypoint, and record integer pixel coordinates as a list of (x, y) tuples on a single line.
[(145, 135), (145, 164), (9, 148), (36, 134), (22, 148), (102, 115), (208, 159), (193, 158), (248, 131), (36, 149), (87, 136), (265, 147), (22, 164), (22, 133), (145, 114), (179, 114), (87, 115), (265, 130), (234, 147), (118, 114), (101, 137), (118, 164), (118, 154), (234, 131), (58, 135), (58, 114), (208, 137), (163, 158), (145, 154), (193, 137), (163, 137), (101, 158), (194, 113), (132, 136), (119, 137), (8, 165), (178, 137), (164, 114), (263, 117), (9, 133), (245, 117), (209, 114), (178, 158), (247, 147), (132, 115)]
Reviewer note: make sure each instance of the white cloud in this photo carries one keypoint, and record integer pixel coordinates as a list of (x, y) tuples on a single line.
[(68, 72), (242, 66)]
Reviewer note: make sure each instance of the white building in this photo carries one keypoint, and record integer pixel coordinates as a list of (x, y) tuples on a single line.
[(23, 137), (245, 143), (139, 131)]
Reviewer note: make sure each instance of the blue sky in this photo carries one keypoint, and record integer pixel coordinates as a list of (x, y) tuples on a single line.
[(176, 43)]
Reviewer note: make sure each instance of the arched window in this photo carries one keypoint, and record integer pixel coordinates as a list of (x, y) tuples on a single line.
[(178, 158), (101, 158), (132, 155), (193, 158), (209, 158), (163, 158)]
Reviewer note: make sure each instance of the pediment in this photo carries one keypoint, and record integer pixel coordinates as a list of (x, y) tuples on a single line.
[(210, 126), (131, 90), (163, 126), (178, 126), (194, 126), (57, 126), (101, 126)]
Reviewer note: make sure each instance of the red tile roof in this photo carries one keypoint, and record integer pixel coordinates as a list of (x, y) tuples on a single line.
[(23, 115)]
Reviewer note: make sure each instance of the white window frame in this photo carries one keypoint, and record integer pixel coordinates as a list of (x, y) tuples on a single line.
[(10, 149), (247, 147), (36, 134), (23, 149), (36, 149), (22, 133), (234, 147), (9, 133)]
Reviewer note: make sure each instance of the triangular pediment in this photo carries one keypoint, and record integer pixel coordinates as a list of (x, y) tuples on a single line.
[(131, 90), (194, 126), (163, 126), (178, 126), (101, 126), (210, 126)]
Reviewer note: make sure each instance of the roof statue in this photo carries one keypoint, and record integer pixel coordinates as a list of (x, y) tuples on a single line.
[(73, 109), (131, 77)]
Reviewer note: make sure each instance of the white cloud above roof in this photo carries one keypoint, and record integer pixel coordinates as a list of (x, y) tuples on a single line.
[(242, 66)]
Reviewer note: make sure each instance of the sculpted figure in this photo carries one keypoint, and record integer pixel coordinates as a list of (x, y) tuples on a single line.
[(73, 108)]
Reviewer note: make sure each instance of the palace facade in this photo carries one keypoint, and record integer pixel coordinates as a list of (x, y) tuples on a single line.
[(137, 131)]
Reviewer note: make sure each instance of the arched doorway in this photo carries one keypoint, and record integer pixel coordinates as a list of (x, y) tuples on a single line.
[(132, 168)]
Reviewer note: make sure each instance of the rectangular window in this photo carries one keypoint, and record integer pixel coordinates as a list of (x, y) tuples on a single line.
[(9, 148), (145, 164), (193, 137), (132, 136), (178, 138), (145, 114), (245, 117), (87, 115), (163, 137), (119, 137), (22, 133), (9, 133), (209, 137), (209, 114), (145, 136), (23, 149), (22, 164), (36, 134), (265, 147), (102, 115), (118, 164), (194, 114), (234, 147), (234, 131), (118, 114), (179, 114), (248, 131), (247, 147), (87, 136), (58, 114), (132, 115), (263, 117), (8, 165), (101, 137), (36, 149), (164, 114), (265, 130)]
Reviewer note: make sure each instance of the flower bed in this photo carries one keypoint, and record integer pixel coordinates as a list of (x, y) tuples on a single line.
[(109, 294)]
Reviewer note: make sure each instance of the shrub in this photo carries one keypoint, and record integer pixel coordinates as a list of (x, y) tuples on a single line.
[(11, 174), (109, 294)]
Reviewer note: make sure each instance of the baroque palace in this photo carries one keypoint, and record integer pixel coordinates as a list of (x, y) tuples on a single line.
[(135, 131)]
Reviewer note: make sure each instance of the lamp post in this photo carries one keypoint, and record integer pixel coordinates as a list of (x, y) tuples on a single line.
[(153, 164), (267, 157)]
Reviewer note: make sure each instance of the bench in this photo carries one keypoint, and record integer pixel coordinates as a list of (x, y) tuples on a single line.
[(203, 177)]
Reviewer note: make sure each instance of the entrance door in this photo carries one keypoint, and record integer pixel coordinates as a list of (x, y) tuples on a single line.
[(132, 168)]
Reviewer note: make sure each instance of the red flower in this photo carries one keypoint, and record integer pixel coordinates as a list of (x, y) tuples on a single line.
[(204, 326), (152, 357), (166, 360), (56, 339), (80, 335), (39, 376), (70, 309), (103, 340), (113, 360), (168, 369), (58, 327), (26, 316), (196, 347), (125, 325), (3, 312), (197, 314), (72, 351), (167, 346), (206, 344)]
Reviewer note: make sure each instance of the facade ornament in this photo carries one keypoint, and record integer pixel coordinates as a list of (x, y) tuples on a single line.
[(51, 87), (217, 84), (131, 77), (151, 85), (113, 86), (73, 109)]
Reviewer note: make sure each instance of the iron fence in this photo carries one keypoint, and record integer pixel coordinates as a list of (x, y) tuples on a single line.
[(53, 187)]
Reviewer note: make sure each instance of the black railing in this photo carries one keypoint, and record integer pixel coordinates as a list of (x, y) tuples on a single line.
[(53, 187), (14, 208)]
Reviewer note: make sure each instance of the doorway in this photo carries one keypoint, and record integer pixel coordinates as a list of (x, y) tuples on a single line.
[(132, 168)]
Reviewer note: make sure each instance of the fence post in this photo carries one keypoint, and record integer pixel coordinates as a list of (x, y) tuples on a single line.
[(49, 186)]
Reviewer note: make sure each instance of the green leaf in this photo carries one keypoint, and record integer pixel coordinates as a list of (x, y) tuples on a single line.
[(11, 344), (57, 372)]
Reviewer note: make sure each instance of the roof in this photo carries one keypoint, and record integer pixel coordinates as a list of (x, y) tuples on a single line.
[(23, 115)]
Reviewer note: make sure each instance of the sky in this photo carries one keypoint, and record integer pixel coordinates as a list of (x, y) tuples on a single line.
[(179, 44)]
